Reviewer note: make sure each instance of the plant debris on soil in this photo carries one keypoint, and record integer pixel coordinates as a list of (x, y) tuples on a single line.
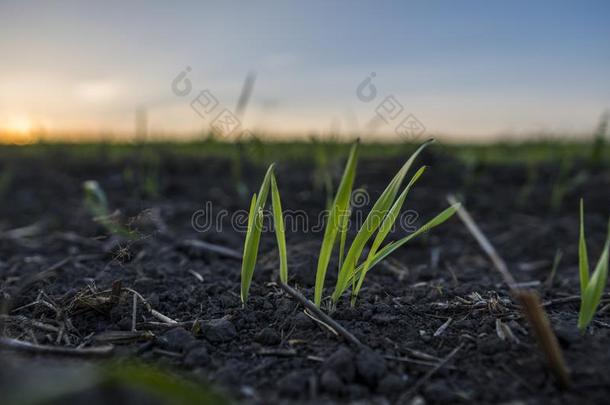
[(435, 320)]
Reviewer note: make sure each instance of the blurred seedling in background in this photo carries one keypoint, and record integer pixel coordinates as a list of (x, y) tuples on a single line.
[(96, 203), (237, 156), (6, 178), (133, 381), (591, 287), (472, 171), (529, 185), (599, 140), (322, 173), (565, 183), (548, 283), (150, 185)]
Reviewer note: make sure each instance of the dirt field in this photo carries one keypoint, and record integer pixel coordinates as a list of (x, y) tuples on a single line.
[(67, 282)]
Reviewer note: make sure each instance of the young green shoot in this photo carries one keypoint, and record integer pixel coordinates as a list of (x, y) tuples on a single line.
[(591, 288), (336, 220), (386, 203), (384, 229), (97, 204), (378, 224), (280, 232), (548, 283), (253, 235)]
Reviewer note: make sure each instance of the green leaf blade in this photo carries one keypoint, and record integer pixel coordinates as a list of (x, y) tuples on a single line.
[(391, 247), (253, 235), (592, 295), (280, 232), (340, 207), (371, 224), (583, 259), (385, 228)]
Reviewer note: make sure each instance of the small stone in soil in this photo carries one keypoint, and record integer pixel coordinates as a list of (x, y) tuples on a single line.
[(342, 363), (229, 301), (285, 306), (347, 314), (371, 367), (124, 323), (491, 345), (295, 383), (567, 334), (218, 330), (176, 339), (302, 321), (330, 382), (268, 337), (439, 392), (358, 391), (390, 384), (229, 373), (197, 357), (383, 319)]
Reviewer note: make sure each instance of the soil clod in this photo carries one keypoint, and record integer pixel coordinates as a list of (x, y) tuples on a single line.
[(218, 330)]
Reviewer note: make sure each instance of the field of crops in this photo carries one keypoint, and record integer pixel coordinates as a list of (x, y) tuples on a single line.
[(121, 268)]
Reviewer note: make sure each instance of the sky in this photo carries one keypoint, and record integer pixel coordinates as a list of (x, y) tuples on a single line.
[(469, 69)]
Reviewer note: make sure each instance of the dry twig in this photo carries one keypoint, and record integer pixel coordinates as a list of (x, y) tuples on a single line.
[(407, 395), (20, 345), (530, 302), (321, 315)]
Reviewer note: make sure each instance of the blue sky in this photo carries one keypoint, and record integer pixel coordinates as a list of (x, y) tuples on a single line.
[(471, 69)]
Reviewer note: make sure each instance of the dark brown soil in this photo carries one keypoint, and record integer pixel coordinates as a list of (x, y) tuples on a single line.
[(270, 351)]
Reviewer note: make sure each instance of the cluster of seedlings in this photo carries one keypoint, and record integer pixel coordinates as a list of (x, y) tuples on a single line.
[(353, 263), (355, 257), (377, 225)]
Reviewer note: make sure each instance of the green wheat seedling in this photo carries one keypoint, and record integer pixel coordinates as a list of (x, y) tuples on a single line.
[(591, 288), (253, 233), (377, 226), (97, 204)]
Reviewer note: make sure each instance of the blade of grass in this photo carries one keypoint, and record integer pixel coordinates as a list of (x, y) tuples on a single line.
[(391, 247), (247, 264), (583, 259), (384, 230), (253, 235), (343, 237), (340, 207), (595, 287), (280, 233), (548, 283), (371, 224)]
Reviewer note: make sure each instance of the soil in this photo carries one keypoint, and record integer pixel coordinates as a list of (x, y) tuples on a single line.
[(270, 351)]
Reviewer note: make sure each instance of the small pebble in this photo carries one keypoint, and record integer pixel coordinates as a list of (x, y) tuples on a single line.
[(390, 384), (330, 382), (268, 337), (342, 362), (218, 330), (295, 384), (302, 321), (176, 339), (197, 357), (371, 367)]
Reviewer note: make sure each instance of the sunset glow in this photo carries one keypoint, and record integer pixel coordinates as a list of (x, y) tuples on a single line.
[(480, 71)]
